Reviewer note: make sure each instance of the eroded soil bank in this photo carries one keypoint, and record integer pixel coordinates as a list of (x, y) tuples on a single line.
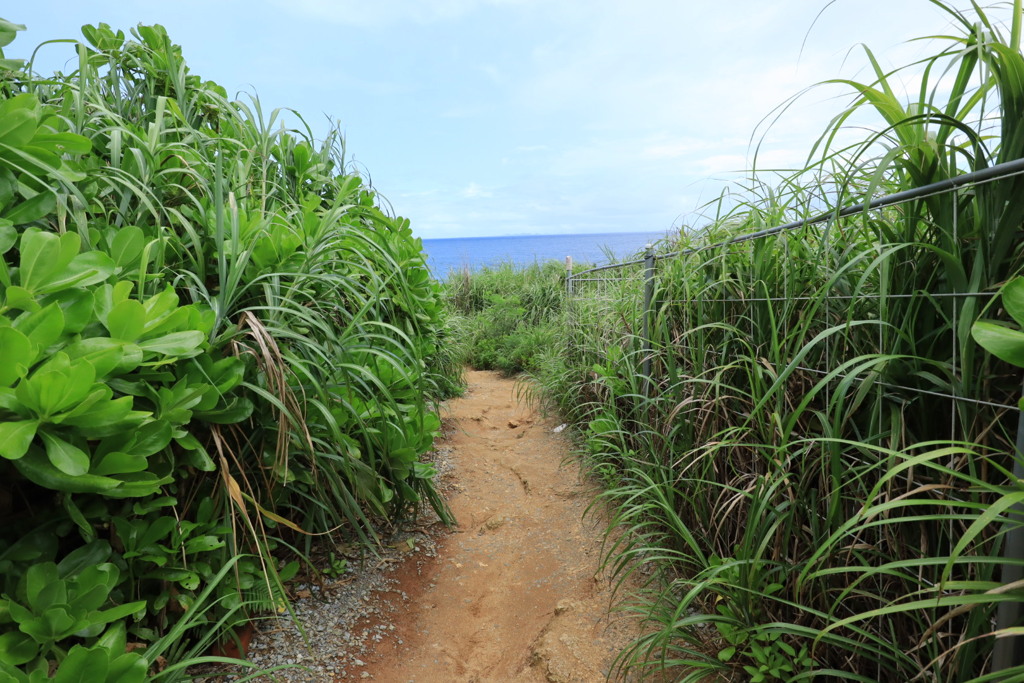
[(514, 593)]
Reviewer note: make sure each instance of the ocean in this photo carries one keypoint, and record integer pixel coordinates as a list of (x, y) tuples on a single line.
[(446, 255)]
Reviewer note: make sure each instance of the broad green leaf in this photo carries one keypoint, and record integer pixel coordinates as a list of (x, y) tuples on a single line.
[(129, 667), (120, 611), (31, 548), (65, 456), (175, 403), (127, 245), (131, 358), (108, 416), (175, 320), (92, 585), (1013, 299), (198, 458), (91, 554), (77, 305), (40, 581), (17, 126), (37, 468), (8, 189), (114, 638), (42, 327), (63, 143), (144, 507), (57, 386), (76, 515), (104, 353), (108, 296), (1002, 342), (84, 665), (126, 320), (42, 158), (189, 581), (97, 394), (84, 270), (151, 438), (119, 463), (43, 204), (6, 36), (225, 374), (21, 299), (16, 355), (40, 251), (206, 543), (17, 648), (44, 254), (16, 437), (103, 37), (24, 102), (235, 410), (8, 237), (174, 344)]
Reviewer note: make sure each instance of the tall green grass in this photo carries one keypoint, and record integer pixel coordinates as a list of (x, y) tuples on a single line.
[(806, 500), (509, 318)]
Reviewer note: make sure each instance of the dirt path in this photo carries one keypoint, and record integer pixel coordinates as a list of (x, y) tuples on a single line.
[(513, 593)]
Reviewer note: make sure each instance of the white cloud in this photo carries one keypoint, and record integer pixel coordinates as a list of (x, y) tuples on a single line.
[(602, 115), (473, 190)]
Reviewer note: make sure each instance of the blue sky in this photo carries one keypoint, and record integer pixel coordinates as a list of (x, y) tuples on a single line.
[(505, 117)]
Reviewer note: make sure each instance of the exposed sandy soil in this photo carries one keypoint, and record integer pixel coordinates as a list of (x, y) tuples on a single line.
[(514, 593)]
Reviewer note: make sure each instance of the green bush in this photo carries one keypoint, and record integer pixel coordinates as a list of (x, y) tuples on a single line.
[(214, 344), (510, 316)]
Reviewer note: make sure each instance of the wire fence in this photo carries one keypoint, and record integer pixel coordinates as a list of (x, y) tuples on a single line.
[(842, 320)]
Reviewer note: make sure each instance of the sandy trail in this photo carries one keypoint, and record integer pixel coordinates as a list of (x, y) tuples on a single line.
[(514, 593)]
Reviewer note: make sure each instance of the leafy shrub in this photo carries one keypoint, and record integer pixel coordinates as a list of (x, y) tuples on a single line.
[(511, 316), (213, 343)]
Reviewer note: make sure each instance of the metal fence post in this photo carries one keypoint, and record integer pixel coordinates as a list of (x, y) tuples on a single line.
[(1007, 654), (646, 323), (568, 275)]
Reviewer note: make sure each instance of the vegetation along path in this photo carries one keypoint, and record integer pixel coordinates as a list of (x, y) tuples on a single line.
[(515, 592)]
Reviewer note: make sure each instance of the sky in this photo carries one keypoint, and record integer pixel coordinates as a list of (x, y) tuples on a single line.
[(518, 117)]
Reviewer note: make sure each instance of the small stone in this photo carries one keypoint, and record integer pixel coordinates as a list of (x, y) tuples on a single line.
[(564, 606)]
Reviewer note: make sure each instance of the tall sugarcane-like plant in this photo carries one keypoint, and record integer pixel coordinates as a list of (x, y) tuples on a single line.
[(810, 476)]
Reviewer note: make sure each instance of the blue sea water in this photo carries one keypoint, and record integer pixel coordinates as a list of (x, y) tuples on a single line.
[(446, 255)]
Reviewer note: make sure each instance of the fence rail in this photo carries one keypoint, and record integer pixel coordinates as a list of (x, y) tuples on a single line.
[(636, 294)]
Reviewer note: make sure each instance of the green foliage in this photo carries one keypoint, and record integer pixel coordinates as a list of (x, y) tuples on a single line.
[(800, 499), (1002, 341), (511, 318), (108, 661), (55, 602), (213, 343)]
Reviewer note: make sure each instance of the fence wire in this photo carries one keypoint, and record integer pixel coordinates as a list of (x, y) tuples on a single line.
[(839, 310), (607, 301), (611, 297)]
